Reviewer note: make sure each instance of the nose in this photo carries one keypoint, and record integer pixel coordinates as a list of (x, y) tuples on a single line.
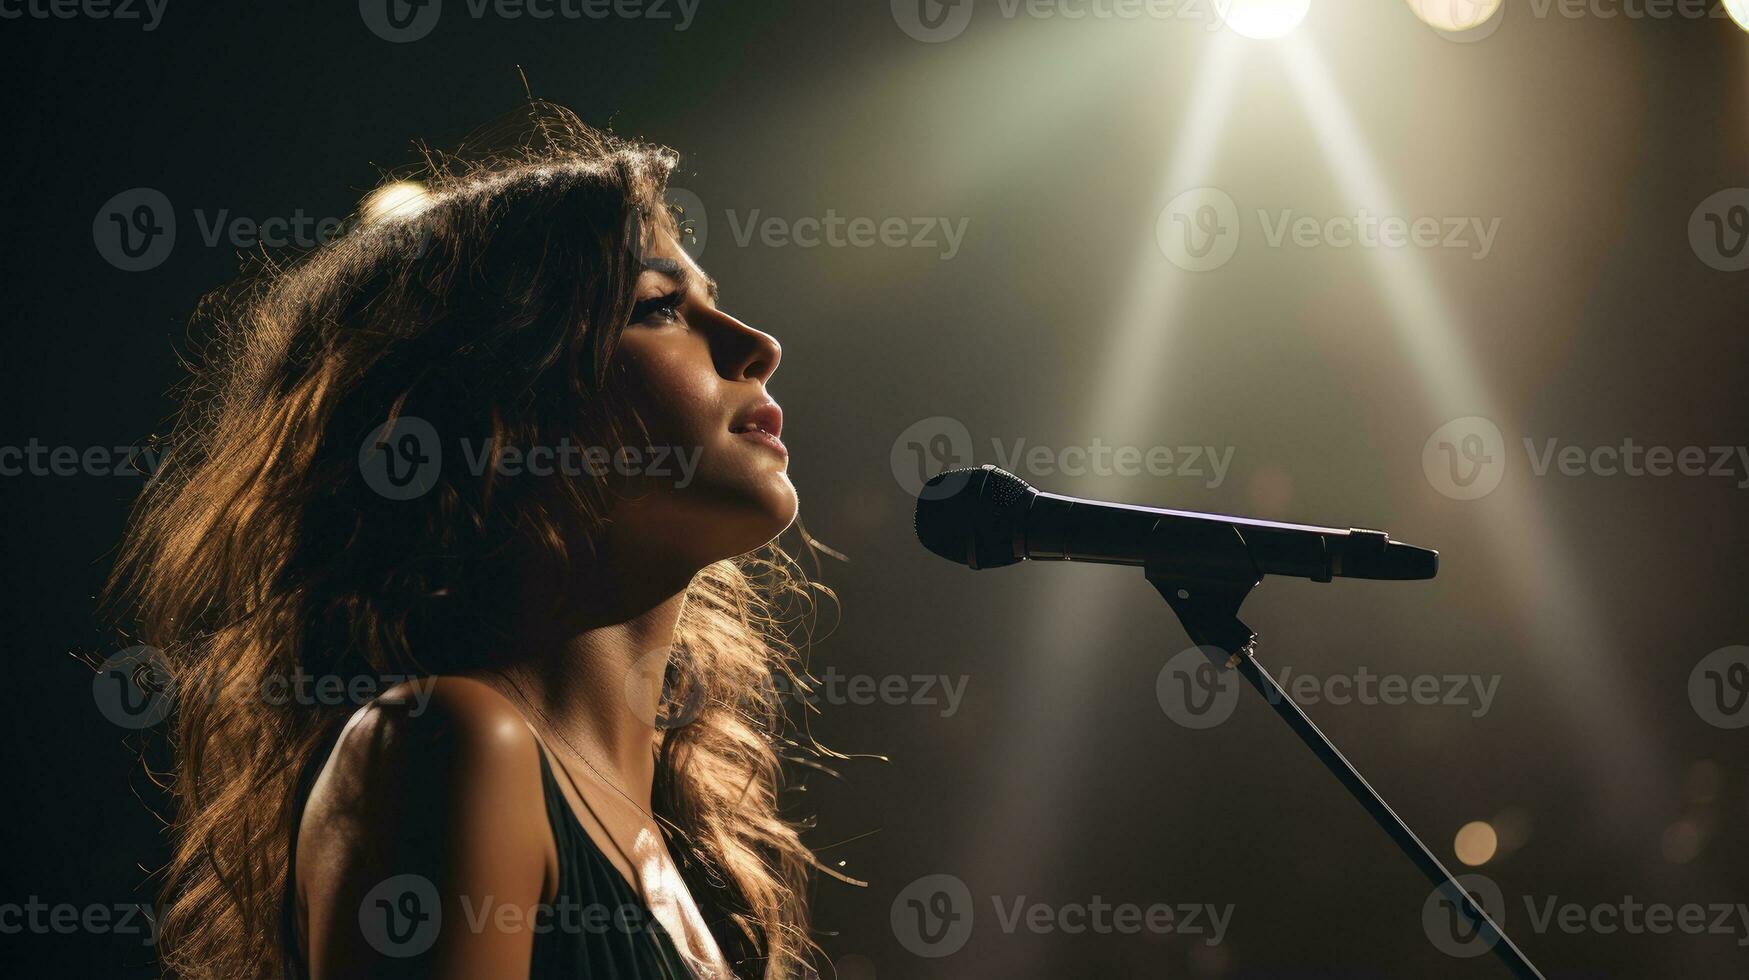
[(744, 353)]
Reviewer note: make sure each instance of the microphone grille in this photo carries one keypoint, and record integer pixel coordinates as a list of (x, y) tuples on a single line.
[(967, 515)]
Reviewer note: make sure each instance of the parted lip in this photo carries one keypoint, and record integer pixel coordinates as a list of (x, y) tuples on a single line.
[(765, 417)]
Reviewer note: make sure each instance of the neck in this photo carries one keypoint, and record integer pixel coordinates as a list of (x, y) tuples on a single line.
[(596, 682)]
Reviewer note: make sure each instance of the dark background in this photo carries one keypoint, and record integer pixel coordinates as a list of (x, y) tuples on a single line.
[(1590, 598)]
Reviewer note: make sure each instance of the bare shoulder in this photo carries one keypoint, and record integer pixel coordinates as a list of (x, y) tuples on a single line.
[(435, 782), (429, 739)]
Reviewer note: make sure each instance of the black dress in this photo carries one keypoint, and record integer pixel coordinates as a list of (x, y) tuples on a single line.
[(602, 930), (599, 928)]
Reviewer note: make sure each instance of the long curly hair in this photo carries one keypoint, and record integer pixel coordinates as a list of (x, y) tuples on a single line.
[(482, 292)]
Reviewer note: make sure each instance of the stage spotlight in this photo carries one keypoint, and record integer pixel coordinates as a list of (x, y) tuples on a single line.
[(1263, 19), (1456, 16), (1739, 11)]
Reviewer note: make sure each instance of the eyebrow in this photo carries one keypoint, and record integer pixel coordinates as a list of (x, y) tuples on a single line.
[(681, 275)]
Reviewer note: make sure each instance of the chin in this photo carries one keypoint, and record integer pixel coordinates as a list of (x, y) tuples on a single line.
[(716, 519), (773, 506)]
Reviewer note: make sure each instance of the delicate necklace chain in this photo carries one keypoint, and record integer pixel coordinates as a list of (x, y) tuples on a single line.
[(709, 968), (611, 784)]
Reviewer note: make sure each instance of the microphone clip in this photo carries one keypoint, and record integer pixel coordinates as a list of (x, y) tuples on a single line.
[(1205, 595)]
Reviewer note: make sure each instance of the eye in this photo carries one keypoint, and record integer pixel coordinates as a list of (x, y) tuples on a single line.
[(658, 309)]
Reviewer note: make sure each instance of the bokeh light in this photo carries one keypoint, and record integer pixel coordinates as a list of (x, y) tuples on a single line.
[(1457, 15), (1739, 11), (1476, 843), (396, 200)]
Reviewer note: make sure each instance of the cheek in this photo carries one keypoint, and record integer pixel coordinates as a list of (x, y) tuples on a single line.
[(679, 390)]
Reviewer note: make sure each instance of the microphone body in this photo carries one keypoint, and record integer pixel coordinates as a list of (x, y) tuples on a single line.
[(987, 518)]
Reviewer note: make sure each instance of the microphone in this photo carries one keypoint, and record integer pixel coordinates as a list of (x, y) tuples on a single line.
[(987, 518)]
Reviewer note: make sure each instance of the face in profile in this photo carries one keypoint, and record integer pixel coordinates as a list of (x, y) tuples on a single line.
[(698, 378)]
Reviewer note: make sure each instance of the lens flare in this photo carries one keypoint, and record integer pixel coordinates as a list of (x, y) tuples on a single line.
[(1263, 19)]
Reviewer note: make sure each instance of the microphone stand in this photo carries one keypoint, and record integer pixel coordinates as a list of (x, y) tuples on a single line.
[(1206, 597)]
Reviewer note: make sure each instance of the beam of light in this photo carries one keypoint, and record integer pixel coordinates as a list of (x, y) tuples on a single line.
[(1569, 645), (1139, 345), (1262, 20), (1029, 764)]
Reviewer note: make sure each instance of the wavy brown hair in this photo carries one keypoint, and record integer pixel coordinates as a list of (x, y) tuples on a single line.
[(489, 308)]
